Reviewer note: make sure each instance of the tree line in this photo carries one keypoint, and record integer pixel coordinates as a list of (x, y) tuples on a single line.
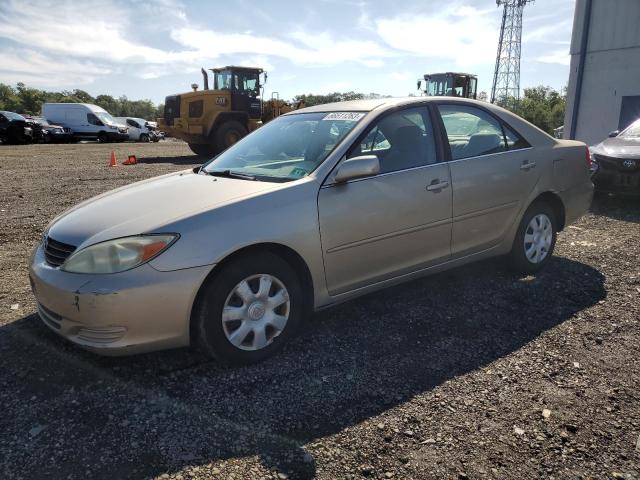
[(23, 99), (542, 106)]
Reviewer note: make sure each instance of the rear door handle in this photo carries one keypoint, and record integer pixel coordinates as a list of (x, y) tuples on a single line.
[(526, 165), (437, 185)]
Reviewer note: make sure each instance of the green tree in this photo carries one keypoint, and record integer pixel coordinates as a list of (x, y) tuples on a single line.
[(311, 99), (23, 99), (9, 99), (542, 106)]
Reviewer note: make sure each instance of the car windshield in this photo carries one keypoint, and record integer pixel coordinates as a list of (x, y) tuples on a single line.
[(42, 121), (287, 148), (105, 117), (632, 131), (13, 116)]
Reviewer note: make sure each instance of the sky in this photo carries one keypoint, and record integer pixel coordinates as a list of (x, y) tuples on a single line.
[(147, 49)]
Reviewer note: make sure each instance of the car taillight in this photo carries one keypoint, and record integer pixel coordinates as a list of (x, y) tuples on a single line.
[(592, 164), (588, 157)]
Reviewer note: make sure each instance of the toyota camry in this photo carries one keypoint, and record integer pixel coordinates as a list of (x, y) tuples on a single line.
[(319, 206)]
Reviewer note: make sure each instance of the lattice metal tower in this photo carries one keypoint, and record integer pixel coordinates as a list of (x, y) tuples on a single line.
[(506, 79)]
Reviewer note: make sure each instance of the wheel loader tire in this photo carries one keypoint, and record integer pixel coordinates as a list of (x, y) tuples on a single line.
[(203, 149), (229, 133)]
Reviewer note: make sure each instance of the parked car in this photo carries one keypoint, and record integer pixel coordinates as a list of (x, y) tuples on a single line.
[(86, 121), (616, 162), (14, 128), (37, 133), (137, 129), (318, 206), (156, 134), (46, 132)]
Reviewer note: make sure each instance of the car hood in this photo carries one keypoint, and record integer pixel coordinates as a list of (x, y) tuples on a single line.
[(619, 147), (147, 206)]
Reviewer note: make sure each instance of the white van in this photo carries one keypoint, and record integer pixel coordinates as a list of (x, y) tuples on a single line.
[(86, 121), (138, 128)]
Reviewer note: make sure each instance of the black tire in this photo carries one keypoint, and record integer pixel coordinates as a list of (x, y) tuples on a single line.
[(207, 330), (229, 133), (203, 149), (103, 137), (518, 258), (144, 137)]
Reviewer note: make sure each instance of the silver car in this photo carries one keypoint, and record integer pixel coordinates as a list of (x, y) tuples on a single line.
[(317, 207)]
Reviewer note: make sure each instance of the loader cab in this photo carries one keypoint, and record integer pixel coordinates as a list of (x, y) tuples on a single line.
[(450, 84), (244, 85)]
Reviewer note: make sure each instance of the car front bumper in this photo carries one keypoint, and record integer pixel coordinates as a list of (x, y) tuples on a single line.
[(619, 183), (117, 136), (611, 175), (136, 311)]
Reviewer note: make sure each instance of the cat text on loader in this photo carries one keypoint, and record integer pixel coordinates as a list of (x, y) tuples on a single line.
[(212, 120)]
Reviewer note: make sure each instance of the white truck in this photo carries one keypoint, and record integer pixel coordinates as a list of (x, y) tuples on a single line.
[(86, 121), (139, 129)]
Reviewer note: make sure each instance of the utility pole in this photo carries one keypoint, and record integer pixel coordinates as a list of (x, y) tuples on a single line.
[(506, 79)]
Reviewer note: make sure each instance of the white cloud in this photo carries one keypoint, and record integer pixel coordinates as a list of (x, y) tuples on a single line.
[(548, 32), (312, 49), (400, 75), (459, 33), (334, 87), (110, 32), (560, 57), (76, 43), (18, 65)]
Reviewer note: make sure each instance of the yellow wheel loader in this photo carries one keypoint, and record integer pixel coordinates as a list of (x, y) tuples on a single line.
[(211, 120)]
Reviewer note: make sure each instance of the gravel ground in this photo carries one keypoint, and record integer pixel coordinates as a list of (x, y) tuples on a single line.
[(475, 373)]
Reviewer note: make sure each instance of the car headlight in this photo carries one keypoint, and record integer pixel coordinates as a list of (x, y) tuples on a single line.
[(593, 163), (118, 255)]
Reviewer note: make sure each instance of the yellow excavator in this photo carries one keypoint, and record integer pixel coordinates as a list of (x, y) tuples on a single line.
[(211, 120), (450, 84)]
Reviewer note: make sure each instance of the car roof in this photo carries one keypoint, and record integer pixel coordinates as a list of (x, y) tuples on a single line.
[(534, 135), (369, 105)]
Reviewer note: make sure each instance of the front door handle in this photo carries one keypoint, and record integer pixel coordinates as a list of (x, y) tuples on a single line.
[(437, 185), (526, 165)]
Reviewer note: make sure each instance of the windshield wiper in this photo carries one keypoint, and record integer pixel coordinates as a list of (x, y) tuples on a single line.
[(230, 174)]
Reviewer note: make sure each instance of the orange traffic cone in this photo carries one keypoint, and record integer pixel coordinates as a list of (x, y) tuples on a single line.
[(113, 162), (132, 160)]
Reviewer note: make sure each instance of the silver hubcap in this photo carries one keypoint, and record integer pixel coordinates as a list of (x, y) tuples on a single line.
[(537, 238), (255, 312)]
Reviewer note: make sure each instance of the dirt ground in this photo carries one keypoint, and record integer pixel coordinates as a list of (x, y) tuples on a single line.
[(475, 373)]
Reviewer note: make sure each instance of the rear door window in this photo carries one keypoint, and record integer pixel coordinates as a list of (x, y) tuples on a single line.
[(514, 141), (471, 131)]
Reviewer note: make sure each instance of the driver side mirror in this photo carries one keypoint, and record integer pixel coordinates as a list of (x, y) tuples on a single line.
[(357, 167), (614, 133)]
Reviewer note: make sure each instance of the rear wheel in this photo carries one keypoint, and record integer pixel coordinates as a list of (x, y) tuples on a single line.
[(203, 149), (229, 133), (535, 240), (249, 309)]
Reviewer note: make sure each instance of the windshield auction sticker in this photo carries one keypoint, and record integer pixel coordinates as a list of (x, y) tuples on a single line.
[(350, 116)]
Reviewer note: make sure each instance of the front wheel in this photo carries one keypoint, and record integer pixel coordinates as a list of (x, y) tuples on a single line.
[(249, 309), (535, 240), (228, 134), (203, 149), (144, 137), (103, 137)]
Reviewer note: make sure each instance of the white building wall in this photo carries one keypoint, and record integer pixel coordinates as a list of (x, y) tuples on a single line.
[(611, 70)]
